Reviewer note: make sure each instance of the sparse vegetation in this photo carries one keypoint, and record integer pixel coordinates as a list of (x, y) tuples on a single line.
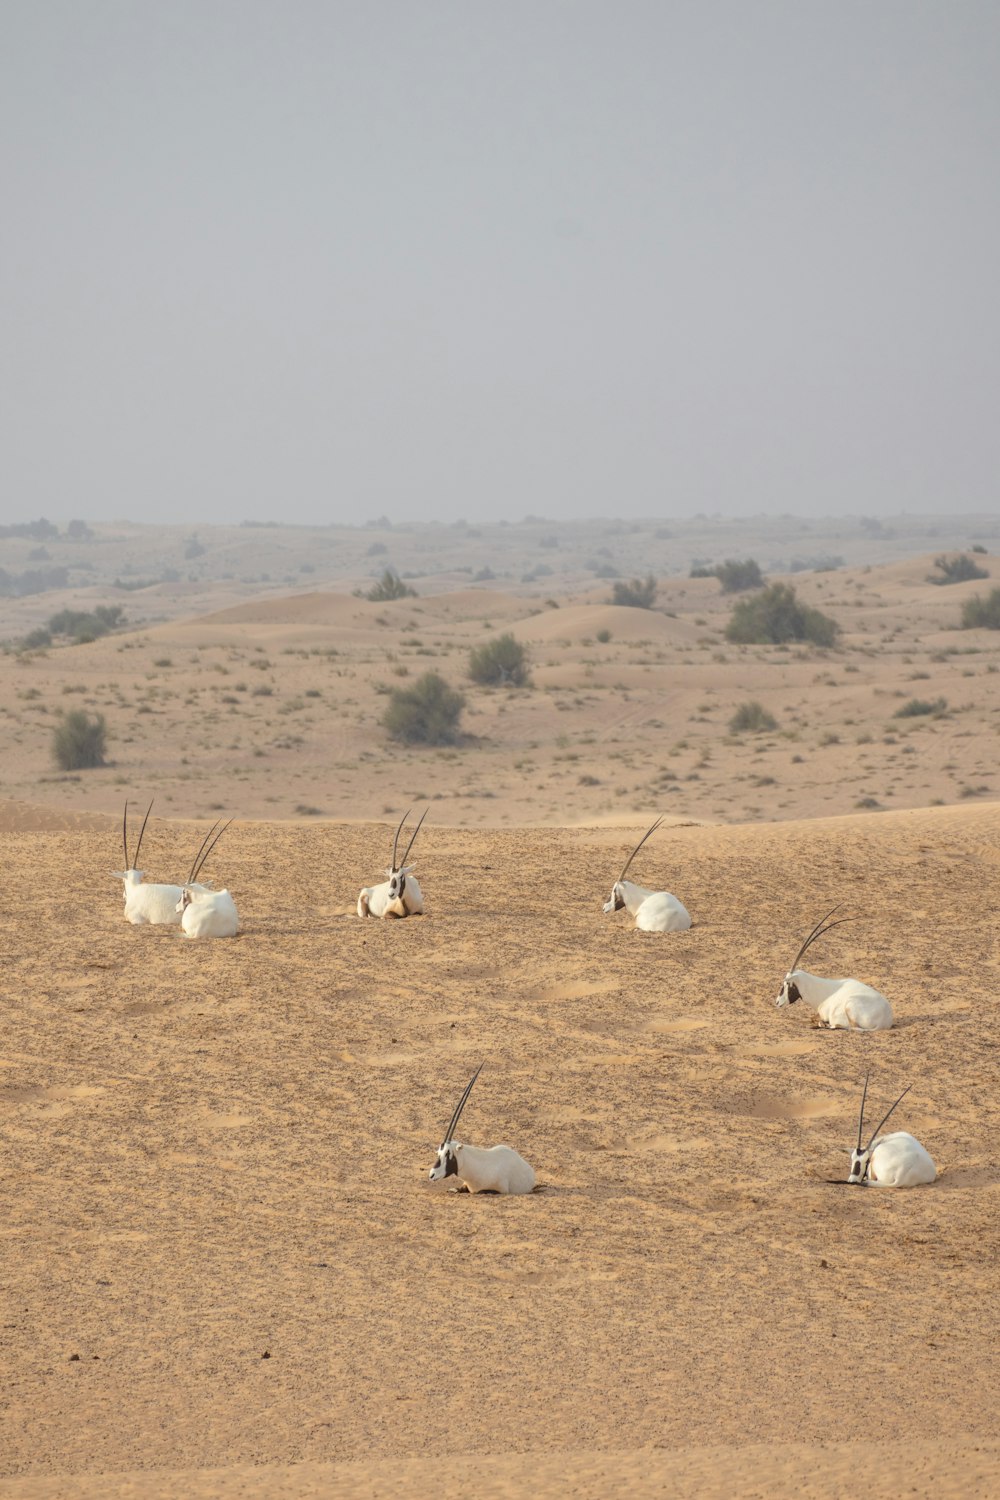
[(390, 586), (500, 662), (958, 569), (775, 615), (639, 593), (736, 577), (752, 718), (79, 741), (427, 713), (982, 614), (918, 706), (82, 625)]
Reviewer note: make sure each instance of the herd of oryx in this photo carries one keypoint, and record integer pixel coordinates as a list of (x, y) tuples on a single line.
[(894, 1160)]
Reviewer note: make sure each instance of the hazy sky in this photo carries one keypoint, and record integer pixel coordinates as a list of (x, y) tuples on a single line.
[(318, 260)]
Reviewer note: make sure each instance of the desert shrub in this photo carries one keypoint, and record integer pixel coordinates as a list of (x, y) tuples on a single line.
[(958, 569), (639, 593), (978, 547), (701, 570), (775, 615), (193, 548), (390, 586), (735, 577), (78, 741), (604, 636), (36, 640), (503, 661), (979, 613), (918, 706), (426, 713), (752, 718), (83, 625)]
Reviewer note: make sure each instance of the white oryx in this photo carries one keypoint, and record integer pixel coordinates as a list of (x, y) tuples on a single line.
[(399, 895), (654, 911), (205, 913), (496, 1169), (891, 1161), (841, 1004), (155, 904)]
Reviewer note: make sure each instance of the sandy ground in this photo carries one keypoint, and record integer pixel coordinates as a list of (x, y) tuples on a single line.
[(272, 708), (216, 1153)]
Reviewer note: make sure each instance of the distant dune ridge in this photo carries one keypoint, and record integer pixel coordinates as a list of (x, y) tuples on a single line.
[(218, 1153)]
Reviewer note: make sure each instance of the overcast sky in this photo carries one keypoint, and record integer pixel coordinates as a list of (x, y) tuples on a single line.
[(318, 260)]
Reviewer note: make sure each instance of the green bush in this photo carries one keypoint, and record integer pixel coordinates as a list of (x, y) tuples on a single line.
[(426, 713), (84, 625), (979, 613), (735, 577), (36, 640), (958, 569), (640, 593), (604, 636), (503, 661), (78, 741), (390, 586), (752, 718), (776, 615), (918, 706)]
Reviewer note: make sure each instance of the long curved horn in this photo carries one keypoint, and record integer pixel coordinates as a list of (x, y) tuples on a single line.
[(461, 1104), (638, 846), (409, 846), (395, 842), (861, 1119), (142, 830), (885, 1117), (125, 835), (820, 931), (204, 852)]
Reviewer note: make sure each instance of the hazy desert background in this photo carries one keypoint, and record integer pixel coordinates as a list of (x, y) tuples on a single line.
[(224, 1271)]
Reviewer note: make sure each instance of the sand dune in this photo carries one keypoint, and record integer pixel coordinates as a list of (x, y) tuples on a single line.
[(218, 1153)]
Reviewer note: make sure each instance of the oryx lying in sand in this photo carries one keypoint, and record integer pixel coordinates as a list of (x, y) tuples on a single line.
[(400, 895), (156, 904), (654, 911), (497, 1169), (205, 913), (891, 1161), (839, 1003)]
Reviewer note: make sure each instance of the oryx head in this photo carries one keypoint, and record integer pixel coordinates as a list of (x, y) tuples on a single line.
[(190, 885), (446, 1164), (861, 1155), (617, 894), (789, 992), (130, 875), (399, 869)]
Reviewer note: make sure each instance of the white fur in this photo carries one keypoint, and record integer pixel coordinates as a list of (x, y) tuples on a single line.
[(896, 1161), (156, 904), (207, 914), (654, 911), (841, 1004), (496, 1169), (383, 901)]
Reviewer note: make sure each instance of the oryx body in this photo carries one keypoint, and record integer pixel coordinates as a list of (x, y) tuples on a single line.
[(205, 913), (399, 895), (654, 911), (155, 904), (494, 1169), (840, 1004), (896, 1160)]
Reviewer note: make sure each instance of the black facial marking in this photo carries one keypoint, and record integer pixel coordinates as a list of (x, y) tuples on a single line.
[(451, 1165), (619, 902), (792, 991)]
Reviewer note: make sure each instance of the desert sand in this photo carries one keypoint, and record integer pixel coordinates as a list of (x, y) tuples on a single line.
[(224, 1270)]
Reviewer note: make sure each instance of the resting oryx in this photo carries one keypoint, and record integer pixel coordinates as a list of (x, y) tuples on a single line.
[(205, 913), (400, 895), (654, 911), (839, 1003), (497, 1169), (156, 904), (896, 1160)]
